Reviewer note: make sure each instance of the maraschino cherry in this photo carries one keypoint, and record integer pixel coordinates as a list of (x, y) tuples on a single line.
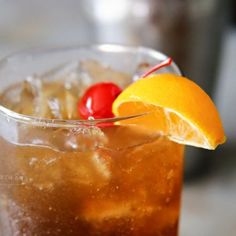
[(97, 101)]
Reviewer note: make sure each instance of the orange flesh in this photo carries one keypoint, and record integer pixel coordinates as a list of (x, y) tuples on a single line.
[(178, 108)]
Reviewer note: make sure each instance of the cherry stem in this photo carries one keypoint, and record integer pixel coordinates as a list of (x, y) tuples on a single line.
[(164, 63)]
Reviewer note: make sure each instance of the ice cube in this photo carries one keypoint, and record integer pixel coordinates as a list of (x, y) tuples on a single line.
[(72, 90), (55, 93), (101, 209), (13, 217), (62, 87), (31, 90), (102, 165), (72, 75), (60, 72), (86, 138), (140, 70), (129, 136), (32, 98), (57, 102), (89, 169), (77, 78), (54, 106), (101, 73)]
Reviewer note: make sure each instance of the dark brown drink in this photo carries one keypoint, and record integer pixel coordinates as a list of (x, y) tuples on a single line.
[(82, 179)]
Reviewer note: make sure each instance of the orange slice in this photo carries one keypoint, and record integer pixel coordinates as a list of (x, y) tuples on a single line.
[(174, 106)]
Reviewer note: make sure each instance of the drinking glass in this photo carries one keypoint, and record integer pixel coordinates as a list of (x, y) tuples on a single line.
[(84, 177)]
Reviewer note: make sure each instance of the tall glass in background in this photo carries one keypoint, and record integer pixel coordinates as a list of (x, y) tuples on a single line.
[(67, 177)]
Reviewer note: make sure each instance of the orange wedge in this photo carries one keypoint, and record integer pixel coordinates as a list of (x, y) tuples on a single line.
[(174, 106)]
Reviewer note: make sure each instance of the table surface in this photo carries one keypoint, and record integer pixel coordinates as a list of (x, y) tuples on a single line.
[(209, 206)]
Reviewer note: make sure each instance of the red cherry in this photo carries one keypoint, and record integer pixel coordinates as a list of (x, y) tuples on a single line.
[(97, 101)]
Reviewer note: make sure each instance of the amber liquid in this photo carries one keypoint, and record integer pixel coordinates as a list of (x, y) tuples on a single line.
[(130, 185)]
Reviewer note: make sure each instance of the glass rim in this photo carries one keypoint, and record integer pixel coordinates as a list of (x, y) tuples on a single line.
[(37, 121)]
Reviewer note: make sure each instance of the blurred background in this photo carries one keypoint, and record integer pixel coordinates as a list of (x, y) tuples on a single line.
[(199, 35)]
